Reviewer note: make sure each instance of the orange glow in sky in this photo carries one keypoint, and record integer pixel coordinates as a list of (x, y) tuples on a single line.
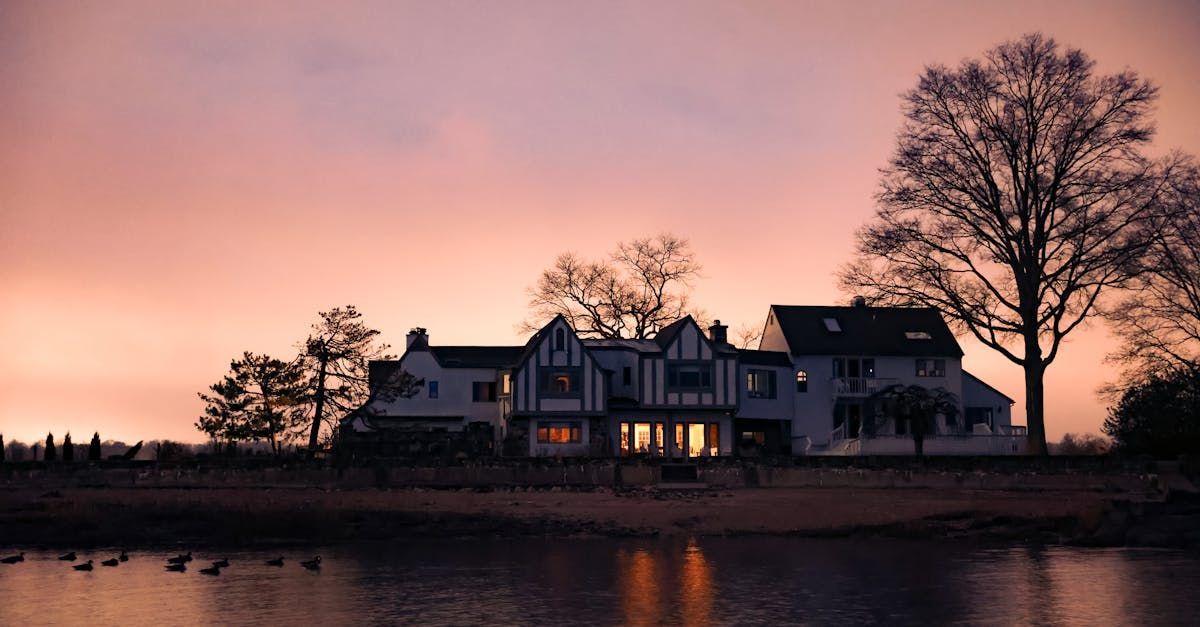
[(180, 182)]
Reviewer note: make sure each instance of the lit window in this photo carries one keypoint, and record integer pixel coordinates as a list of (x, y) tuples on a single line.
[(559, 433), (801, 381), (506, 380), (561, 381)]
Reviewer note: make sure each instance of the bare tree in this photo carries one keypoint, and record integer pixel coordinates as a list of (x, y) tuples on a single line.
[(748, 335), (1017, 195), (1158, 320), (638, 289)]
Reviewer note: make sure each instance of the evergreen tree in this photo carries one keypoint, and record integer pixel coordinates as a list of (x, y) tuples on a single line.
[(68, 449), (94, 448), (51, 452), (1, 448), (261, 398)]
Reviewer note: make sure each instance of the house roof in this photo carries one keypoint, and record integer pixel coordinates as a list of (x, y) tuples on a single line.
[(476, 356), (764, 358), (984, 384), (641, 346), (863, 330), (667, 334)]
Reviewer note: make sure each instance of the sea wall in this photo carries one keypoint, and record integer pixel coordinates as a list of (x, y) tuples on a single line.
[(576, 475)]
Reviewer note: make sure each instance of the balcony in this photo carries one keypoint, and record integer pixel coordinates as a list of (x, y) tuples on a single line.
[(859, 387)]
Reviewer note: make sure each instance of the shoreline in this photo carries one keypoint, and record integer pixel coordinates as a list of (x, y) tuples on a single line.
[(142, 517)]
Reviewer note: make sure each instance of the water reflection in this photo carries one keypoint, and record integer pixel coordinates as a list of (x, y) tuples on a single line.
[(705, 582)]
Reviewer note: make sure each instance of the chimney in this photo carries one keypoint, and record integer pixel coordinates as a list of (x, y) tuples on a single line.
[(858, 301), (419, 336), (717, 332)]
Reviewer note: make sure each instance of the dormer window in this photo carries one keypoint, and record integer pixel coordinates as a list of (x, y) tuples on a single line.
[(831, 325), (918, 335), (560, 340), (561, 381)]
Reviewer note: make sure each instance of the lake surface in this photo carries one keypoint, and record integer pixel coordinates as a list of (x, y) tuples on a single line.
[(768, 581)]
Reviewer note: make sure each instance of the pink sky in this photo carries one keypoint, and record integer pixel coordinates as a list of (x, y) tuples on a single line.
[(182, 183)]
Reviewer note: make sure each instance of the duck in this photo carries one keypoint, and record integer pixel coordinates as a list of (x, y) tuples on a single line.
[(211, 570), (312, 564), (67, 557), (177, 568), (180, 559), (276, 562), (124, 557), (112, 562), (87, 566), (222, 563), (13, 559)]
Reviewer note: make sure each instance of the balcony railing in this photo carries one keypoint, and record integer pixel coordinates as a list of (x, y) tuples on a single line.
[(860, 386)]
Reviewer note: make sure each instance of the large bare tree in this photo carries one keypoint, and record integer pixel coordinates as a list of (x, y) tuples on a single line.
[(1158, 320), (635, 291), (1018, 194)]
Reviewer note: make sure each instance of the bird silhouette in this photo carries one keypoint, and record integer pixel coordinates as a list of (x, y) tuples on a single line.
[(177, 568), (67, 557), (211, 570), (312, 564), (222, 563), (112, 562), (275, 562), (13, 559), (124, 557), (180, 559), (87, 566)]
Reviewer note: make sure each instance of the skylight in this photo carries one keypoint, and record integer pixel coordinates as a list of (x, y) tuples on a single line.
[(831, 325), (918, 335)]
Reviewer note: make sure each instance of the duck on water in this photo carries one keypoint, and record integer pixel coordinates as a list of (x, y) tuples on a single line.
[(13, 559), (87, 566)]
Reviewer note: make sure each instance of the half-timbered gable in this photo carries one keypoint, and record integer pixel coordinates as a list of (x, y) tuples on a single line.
[(558, 376), (690, 371)]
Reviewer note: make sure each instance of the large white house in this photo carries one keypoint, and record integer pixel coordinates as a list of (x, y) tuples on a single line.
[(809, 389)]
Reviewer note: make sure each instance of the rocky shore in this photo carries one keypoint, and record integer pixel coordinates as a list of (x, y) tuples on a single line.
[(145, 517)]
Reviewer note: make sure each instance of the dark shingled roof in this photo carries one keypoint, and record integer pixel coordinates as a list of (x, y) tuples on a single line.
[(764, 358), (476, 356), (667, 334), (865, 331)]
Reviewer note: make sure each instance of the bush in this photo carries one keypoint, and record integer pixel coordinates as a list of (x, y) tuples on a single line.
[(1160, 417), (1082, 444)]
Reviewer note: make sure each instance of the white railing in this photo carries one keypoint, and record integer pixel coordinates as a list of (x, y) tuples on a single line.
[(838, 434), (860, 386)]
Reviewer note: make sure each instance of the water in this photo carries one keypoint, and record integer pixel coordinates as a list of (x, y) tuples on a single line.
[(769, 581)]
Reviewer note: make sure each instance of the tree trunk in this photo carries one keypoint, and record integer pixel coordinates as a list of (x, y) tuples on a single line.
[(1035, 416), (319, 409)]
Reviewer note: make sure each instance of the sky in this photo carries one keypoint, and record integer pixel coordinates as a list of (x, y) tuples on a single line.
[(180, 182)]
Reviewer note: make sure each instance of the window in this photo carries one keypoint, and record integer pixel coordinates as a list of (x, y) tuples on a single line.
[(754, 437), (559, 433), (931, 367), (689, 376), (562, 381), (760, 383), (483, 391), (506, 383), (624, 438), (560, 340), (853, 368), (627, 376), (918, 335), (978, 415), (432, 386), (801, 381), (831, 325)]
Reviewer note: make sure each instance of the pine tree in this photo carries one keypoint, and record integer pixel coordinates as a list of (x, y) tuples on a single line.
[(68, 449), (94, 448), (1, 448), (51, 452)]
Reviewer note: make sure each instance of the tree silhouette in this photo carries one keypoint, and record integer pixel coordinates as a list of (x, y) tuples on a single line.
[(335, 358), (638, 289), (51, 452), (2, 448), (94, 448), (1159, 417), (918, 406), (1158, 321), (1017, 195), (260, 399), (68, 449)]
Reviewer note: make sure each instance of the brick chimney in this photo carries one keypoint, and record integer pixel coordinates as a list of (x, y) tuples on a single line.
[(718, 332)]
